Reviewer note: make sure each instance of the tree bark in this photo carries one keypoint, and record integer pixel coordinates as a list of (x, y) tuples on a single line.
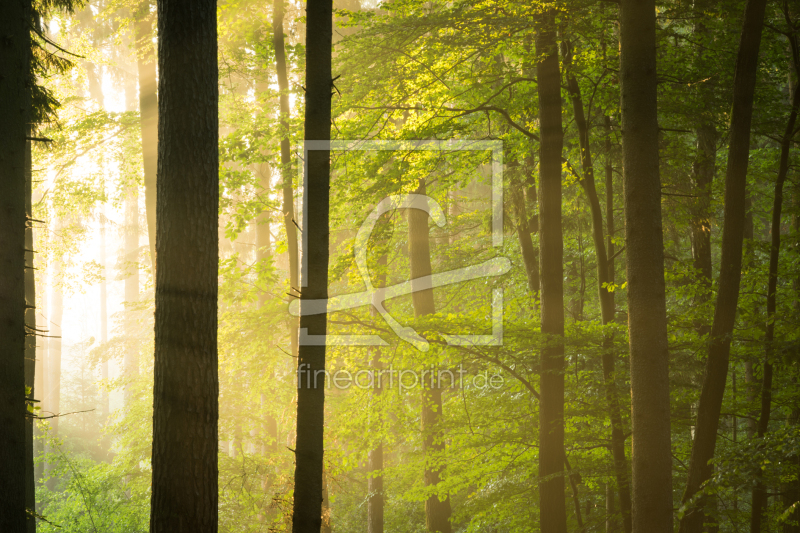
[(286, 158), (716, 371), (651, 502), (148, 115), (437, 511), (185, 397), (307, 511), (552, 504), (606, 298), (14, 103), (759, 498)]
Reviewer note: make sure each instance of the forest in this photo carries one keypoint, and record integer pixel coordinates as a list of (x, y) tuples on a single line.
[(399, 266)]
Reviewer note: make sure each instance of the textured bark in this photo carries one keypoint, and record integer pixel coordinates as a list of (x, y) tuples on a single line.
[(306, 516), (606, 298), (651, 495), (716, 371), (14, 102), (552, 504), (759, 499), (131, 264), (437, 511), (185, 397), (286, 157), (148, 114)]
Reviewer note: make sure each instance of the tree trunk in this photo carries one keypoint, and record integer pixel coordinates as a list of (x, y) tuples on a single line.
[(716, 371), (552, 504), (437, 511), (286, 158), (651, 505), (14, 102), (760, 490), (148, 114), (606, 298), (376, 501), (307, 511), (525, 230), (185, 397)]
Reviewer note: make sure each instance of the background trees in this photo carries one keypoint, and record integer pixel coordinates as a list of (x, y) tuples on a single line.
[(470, 72)]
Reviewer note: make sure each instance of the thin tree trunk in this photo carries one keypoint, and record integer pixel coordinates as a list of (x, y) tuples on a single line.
[(376, 499), (552, 504), (14, 102), (437, 511), (286, 158), (185, 397), (759, 499), (525, 231), (307, 511), (148, 113), (606, 298), (651, 501), (716, 372)]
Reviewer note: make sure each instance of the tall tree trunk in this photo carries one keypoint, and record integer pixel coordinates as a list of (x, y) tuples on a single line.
[(376, 501), (606, 298), (651, 502), (759, 498), (552, 504), (716, 371), (437, 511), (14, 102), (131, 243), (286, 157), (148, 113), (307, 512), (185, 397)]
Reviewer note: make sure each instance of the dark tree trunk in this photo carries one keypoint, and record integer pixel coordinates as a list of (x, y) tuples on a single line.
[(14, 102), (148, 113), (759, 499), (606, 297), (185, 397), (437, 511), (286, 157), (307, 511), (651, 502), (716, 371), (552, 504)]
